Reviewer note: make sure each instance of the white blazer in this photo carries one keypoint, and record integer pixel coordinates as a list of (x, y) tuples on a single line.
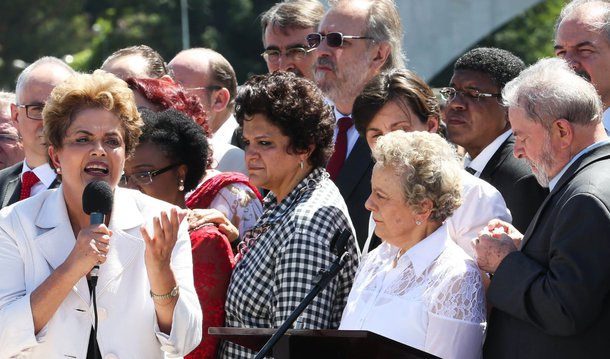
[(36, 237)]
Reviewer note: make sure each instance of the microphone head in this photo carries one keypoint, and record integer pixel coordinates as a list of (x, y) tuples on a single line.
[(338, 244), (97, 198)]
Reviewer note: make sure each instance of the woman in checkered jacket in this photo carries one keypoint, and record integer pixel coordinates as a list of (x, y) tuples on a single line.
[(288, 131)]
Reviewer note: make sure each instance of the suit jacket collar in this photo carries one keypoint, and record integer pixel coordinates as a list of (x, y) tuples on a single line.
[(598, 154), (504, 151), (12, 186), (354, 167), (56, 238)]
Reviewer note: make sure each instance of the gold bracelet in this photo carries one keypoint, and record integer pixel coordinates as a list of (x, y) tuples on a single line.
[(173, 293)]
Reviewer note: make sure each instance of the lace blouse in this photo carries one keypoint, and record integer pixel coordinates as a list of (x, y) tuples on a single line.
[(432, 300)]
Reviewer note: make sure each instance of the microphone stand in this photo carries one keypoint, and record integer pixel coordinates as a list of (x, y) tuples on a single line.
[(322, 280)]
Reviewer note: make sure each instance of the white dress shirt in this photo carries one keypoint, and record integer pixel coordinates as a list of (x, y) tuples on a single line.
[(432, 300), (45, 174), (479, 162), (225, 131)]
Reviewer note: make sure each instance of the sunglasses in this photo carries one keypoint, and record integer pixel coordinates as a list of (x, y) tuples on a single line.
[(333, 39)]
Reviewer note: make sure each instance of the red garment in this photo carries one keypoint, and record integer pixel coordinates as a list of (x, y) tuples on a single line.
[(213, 262), (205, 194)]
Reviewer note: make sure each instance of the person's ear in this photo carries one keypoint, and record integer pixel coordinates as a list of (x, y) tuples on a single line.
[(220, 100), (14, 113), (563, 131), (433, 124), (380, 57), (53, 155)]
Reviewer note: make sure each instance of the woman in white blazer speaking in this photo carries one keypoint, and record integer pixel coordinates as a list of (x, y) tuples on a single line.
[(144, 304)]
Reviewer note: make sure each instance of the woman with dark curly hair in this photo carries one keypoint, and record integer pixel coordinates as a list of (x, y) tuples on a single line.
[(288, 130), (228, 192), (169, 160)]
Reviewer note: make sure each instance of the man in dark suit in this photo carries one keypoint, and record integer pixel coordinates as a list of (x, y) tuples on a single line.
[(351, 48), (477, 121), (551, 298), (34, 85)]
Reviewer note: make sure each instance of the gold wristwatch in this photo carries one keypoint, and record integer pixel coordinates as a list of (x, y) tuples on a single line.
[(174, 293)]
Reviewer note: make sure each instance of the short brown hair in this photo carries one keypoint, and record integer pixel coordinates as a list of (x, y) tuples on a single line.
[(82, 91)]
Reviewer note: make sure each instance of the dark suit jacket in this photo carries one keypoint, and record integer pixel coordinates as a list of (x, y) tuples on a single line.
[(513, 178), (354, 182), (10, 184), (551, 299)]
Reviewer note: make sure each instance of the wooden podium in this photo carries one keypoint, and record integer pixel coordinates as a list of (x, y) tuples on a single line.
[(322, 344)]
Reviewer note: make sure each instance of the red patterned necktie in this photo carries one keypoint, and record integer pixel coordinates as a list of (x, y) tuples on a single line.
[(28, 180), (338, 157)]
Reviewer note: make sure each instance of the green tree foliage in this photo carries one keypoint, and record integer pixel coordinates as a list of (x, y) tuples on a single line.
[(529, 36), (85, 32)]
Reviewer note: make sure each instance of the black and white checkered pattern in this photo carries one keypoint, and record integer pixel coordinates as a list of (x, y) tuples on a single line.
[(278, 271)]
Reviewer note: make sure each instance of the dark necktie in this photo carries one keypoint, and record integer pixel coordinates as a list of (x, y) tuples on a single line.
[(471, 170), (338, 157), (28, 180)]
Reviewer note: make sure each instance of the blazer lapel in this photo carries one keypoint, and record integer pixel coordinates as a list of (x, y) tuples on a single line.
[(598, 154), (355, 166), (56, 239), (125, 243), (497, 159)]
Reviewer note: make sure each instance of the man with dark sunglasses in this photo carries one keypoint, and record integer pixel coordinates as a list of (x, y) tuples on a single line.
[(355, 41), (285, 27), (477, 120), (34, 174)]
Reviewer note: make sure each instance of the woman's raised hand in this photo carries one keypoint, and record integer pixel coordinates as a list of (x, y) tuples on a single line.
[(160, 243)]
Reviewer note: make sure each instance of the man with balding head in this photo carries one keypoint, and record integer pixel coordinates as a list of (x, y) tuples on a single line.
[(34, 174), (208, 75), (356, 40), (139, 61), (582, 38)]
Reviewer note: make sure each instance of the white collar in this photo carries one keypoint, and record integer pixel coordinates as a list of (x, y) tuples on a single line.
[(427, 250), (44, 172), (479, 162)]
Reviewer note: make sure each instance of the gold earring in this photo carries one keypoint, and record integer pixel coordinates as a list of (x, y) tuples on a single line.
[(181, 185), (301, 164)]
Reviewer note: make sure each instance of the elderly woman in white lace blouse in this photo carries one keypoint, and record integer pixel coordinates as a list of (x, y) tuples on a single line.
[(418, 287)]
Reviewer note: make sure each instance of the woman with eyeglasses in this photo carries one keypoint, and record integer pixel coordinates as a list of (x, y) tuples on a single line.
[(170, 160), (141, 302), (230, 193), (288, 130)]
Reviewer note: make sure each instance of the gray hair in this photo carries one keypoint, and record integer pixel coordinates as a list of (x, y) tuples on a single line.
[(384, 26), (549, 90), (428, 167), (602, 25), (25, 74), (293, 14)]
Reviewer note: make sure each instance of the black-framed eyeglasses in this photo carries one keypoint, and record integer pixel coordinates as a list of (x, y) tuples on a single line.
[(297, 53), (449, 94), (146, 177), (33, 111), (333, 39), (204, 88)]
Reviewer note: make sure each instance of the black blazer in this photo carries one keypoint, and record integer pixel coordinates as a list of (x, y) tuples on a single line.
[(551, 299), (513, 178), (10, 184), (354, 182)]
